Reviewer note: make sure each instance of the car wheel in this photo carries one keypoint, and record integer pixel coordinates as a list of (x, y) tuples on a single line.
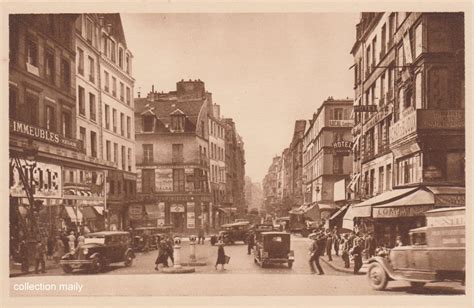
[(417, 285), (128, 259), (98, 265), (378, 279), (290, 264), (67, 269)]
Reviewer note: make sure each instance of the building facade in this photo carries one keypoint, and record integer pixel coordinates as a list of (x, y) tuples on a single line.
[(62, 173), (235, 171), (295, 153), (409, 107), (271, 199), (326, 152), (217, 161), (173, 165)]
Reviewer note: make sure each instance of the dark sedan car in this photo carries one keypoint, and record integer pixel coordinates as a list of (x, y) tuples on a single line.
[(98, 251)]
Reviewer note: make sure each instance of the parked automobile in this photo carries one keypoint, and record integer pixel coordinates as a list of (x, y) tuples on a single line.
[(436, 252), (273, 248), (99, 250), (231, 233)]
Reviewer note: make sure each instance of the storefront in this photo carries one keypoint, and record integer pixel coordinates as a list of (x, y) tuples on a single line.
[(183, 213), (394, 213)]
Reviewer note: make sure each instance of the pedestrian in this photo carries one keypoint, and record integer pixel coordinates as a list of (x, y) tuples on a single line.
[(71, 241), (357, 256), (170, 251), (23, 254), (80, 241), (329, 245), (220, 255), (345, 250), (371, 245), (58, 250), (200, 235), (50, 245), (314, 251), (40, 253), (250, 242), (398, 241), (162, 255), (336, 240), (322, 239)]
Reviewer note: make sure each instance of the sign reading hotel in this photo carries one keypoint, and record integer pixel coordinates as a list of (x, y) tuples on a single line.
[(42, 134), (341, 123), (365, 108), (400, 211), (342, 147), (44, 178)]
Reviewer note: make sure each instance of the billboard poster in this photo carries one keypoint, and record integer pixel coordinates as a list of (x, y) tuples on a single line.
[(191, 218), (45, 179), (164, 180)]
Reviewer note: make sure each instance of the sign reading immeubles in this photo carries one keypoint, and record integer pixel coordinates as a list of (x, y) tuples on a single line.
[(43, 135)]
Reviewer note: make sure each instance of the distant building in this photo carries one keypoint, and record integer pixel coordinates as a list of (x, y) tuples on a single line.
[(271, 196), (172, 139), (327, 158)]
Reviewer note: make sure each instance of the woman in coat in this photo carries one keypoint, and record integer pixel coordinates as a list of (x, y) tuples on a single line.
[(59, 250), (220, 255), (162, 255)]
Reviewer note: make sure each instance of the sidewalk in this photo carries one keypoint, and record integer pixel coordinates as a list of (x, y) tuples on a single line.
[(337, 264), (15, 268)]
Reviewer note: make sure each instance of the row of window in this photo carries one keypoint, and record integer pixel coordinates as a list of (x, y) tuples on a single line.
[(216, 130), (177, 151), (318, 144), (125, 92), (28, 111), (90, 63), (124, 127), (316, 169), (44, 67), (81, 100), (217, 174), (178, 122), (125, 155), (118, 187), (383, 180), (337, 113), (217, 152)]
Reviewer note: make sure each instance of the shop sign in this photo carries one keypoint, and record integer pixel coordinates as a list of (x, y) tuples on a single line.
[(341, 123), (441, 119), (450, 200), (45, 135), (342, 147), (164, 180), (365, 108), (404, 127), (135, 211), (46, 179), (400, 211), (177, 208), (191, 219), (446, 221)]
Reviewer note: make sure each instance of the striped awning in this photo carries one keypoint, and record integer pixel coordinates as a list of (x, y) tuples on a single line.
[(74, 214)]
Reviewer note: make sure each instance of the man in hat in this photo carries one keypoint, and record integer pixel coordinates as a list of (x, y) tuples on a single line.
[(345, 250), (329, 245)]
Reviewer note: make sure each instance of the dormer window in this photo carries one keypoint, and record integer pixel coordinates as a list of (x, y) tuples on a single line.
[(148, 123), (177, 121)]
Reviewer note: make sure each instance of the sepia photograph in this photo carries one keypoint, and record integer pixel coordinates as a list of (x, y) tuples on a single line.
[(266, 153)]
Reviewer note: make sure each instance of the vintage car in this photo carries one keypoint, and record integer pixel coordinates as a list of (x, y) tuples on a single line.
[(233, 232), (436, 252), (273, 248), (146, 238), (98, 251)]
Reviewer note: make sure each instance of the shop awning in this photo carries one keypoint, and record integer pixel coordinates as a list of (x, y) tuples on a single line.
[(327, 206), (348, 219), (414, 204), (340, 212), (89, 213), (74, 214), (152, 211), (364, 209)]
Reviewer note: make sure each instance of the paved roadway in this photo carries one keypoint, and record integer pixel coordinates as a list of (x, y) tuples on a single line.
[(241, 277)]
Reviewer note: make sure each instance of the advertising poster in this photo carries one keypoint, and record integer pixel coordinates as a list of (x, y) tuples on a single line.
[(45, 179), (191, 218), (164, 180)]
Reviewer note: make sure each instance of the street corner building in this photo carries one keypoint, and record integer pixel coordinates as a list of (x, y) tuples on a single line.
[(182, 161), (409, 134), (60, 154)]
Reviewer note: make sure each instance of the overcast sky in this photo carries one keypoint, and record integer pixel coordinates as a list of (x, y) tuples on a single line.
[(265, 70)]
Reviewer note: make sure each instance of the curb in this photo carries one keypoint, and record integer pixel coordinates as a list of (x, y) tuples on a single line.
[(19, 273), (344, 270), (178, 270)]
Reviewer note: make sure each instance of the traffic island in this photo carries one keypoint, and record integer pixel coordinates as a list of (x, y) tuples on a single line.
[(178, 270), (194, 263), (192, 255), (177, 265)]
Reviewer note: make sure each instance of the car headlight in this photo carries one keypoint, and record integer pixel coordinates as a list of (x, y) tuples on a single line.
[(85, 251)]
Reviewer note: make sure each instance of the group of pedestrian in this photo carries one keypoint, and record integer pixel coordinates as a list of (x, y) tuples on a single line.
[(165, 253)]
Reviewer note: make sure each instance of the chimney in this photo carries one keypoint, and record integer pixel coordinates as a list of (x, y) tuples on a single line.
[(152, 88)]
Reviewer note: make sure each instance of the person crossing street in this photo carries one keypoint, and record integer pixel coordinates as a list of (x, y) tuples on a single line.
[(315, 251)]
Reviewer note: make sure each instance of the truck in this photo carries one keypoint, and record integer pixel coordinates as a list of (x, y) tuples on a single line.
[(437, 252)]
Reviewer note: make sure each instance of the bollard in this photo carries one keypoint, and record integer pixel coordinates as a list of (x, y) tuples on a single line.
[(192, 247), (177, 253)]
